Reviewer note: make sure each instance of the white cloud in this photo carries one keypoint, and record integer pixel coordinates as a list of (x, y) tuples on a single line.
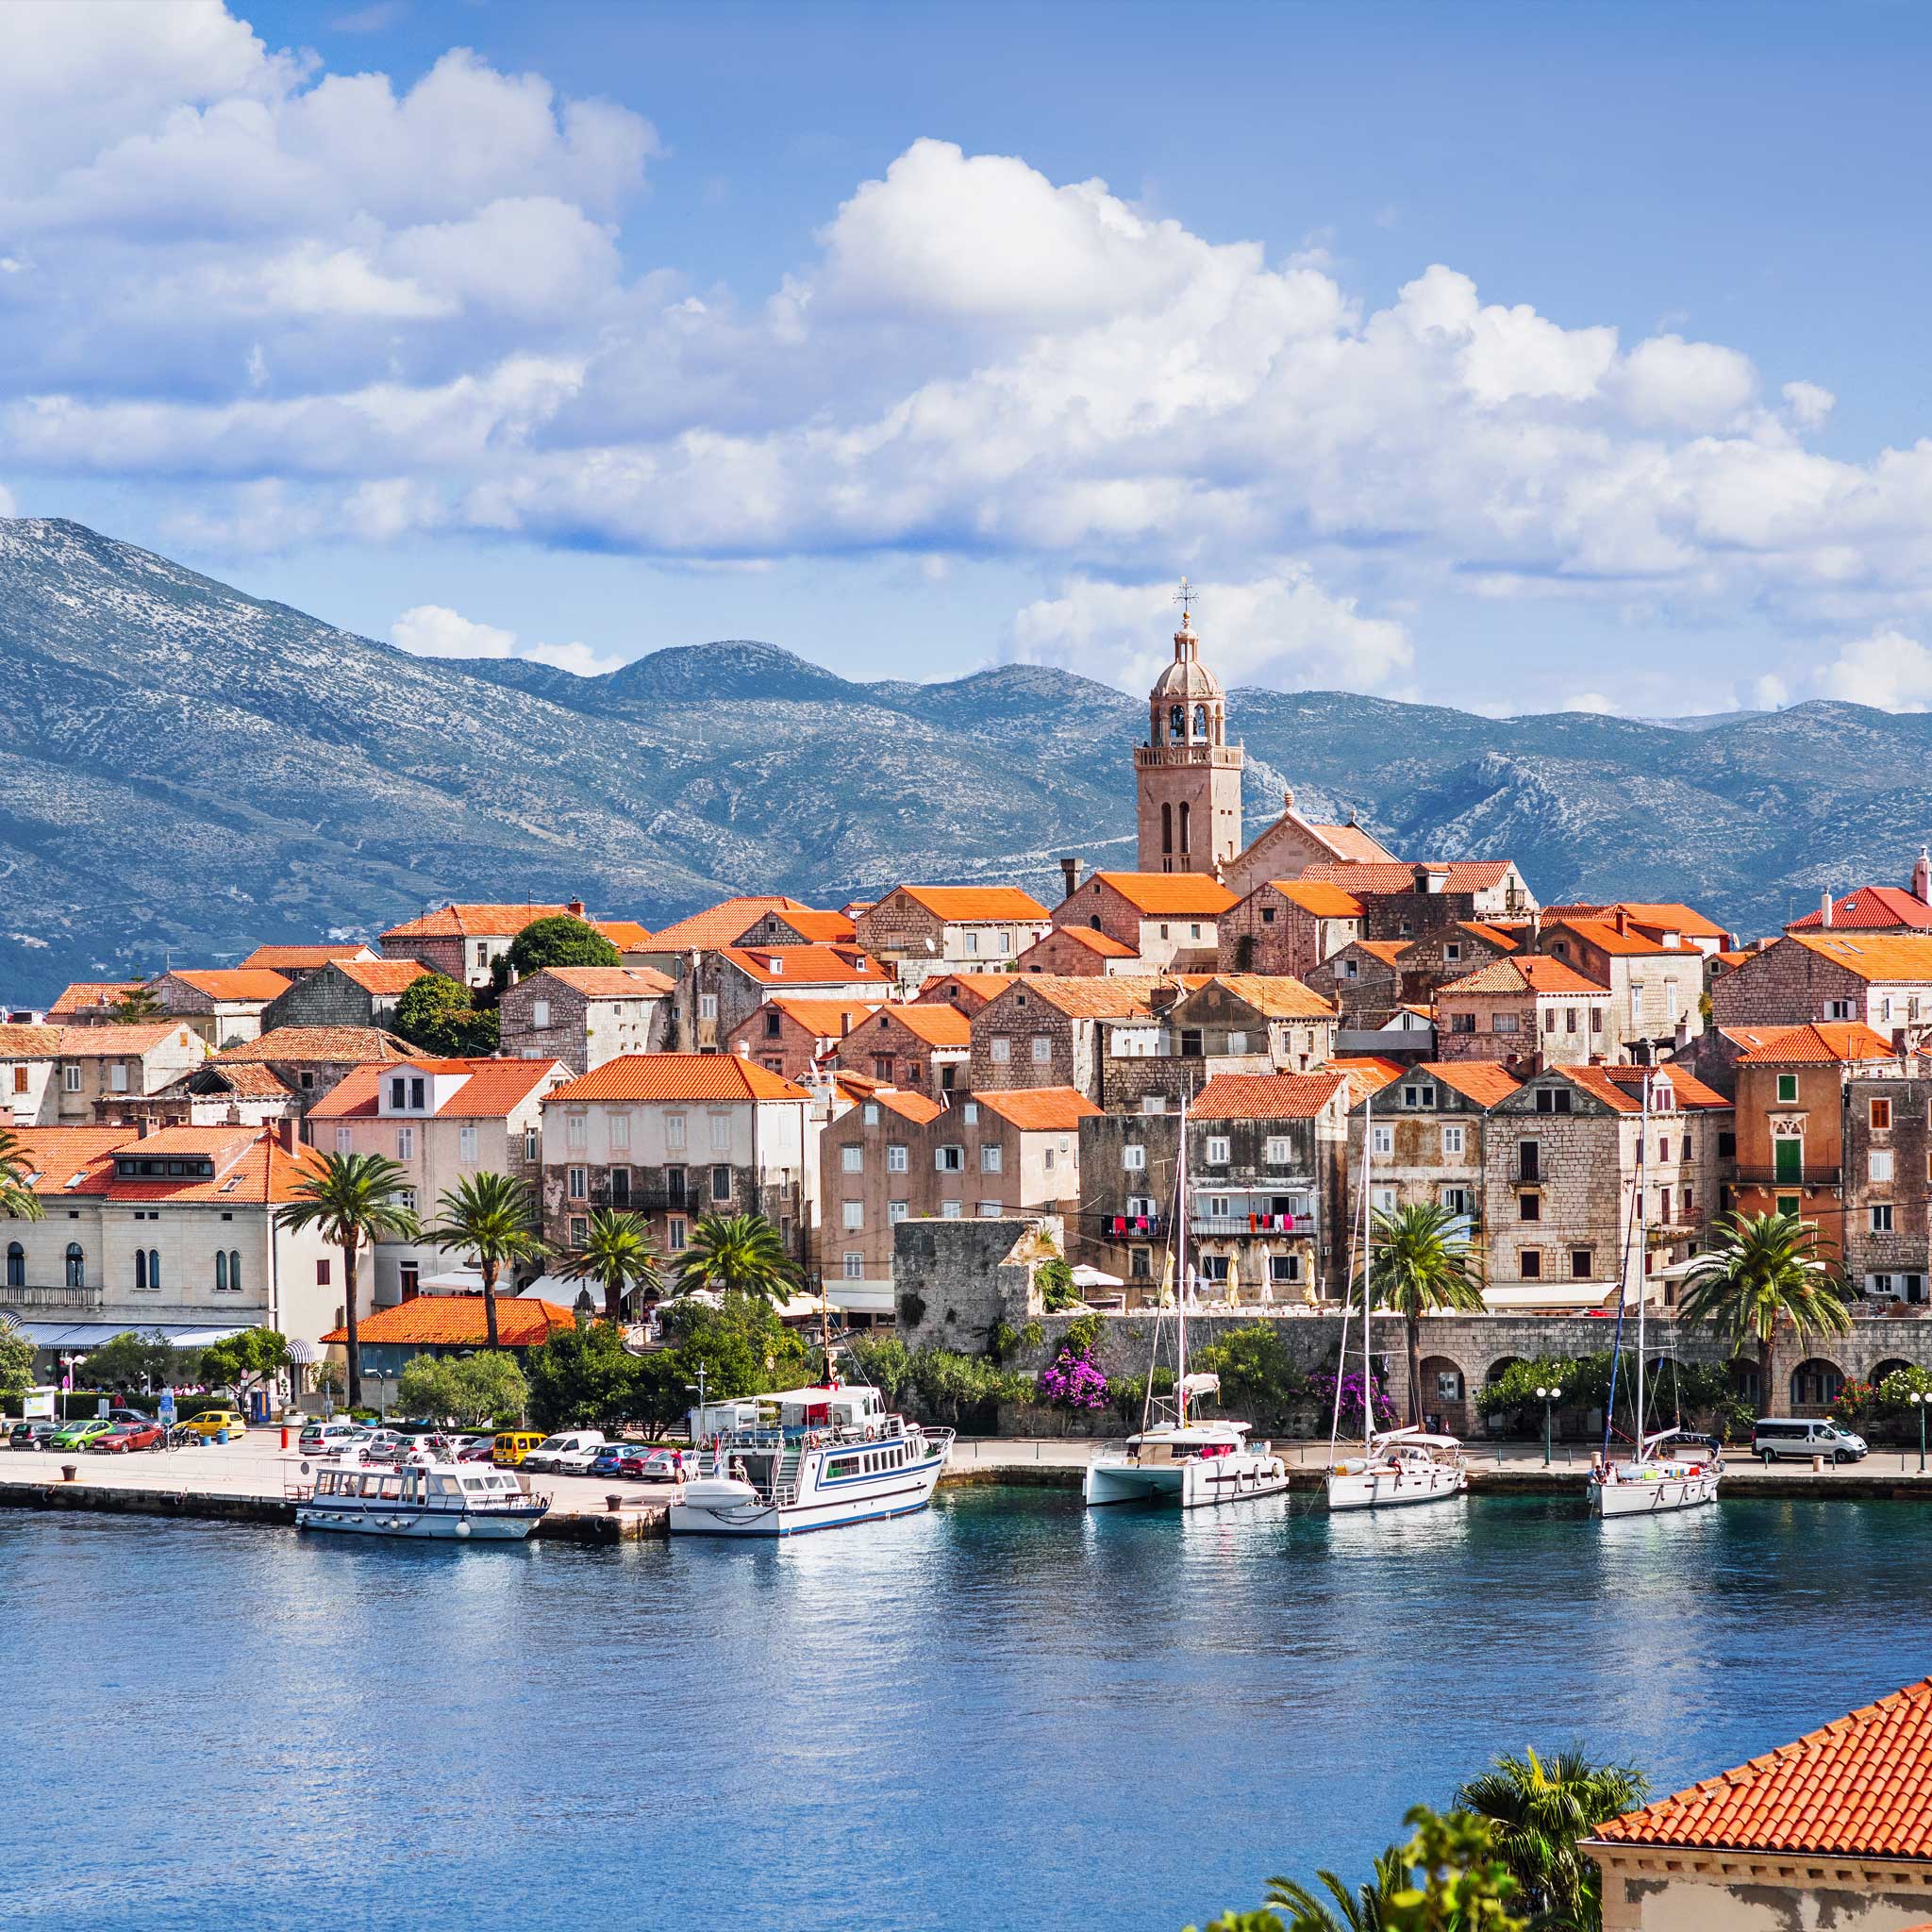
[(1809, 404), (579, 658), (1768, 693), (1591, 701), (434, 630), (1888, 669), (1685, 385)]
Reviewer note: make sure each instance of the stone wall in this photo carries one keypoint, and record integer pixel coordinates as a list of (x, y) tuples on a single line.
[(327, 998)]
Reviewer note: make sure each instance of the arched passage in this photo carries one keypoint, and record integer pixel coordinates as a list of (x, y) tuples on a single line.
[(1445, 1404), (1815, 1385)]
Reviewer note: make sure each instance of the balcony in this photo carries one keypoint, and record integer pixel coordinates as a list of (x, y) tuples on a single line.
[(1133, 1227), (1261, 1226), (53, 1300), (1806, 1177)]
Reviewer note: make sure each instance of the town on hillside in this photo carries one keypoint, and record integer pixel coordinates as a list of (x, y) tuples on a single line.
[(877, 1079)]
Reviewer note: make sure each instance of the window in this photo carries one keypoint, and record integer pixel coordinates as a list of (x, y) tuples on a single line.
[(345, 1139), (322, 1273), (1596, 1019), (20, 1079), (16, 1265), (1453, 951), (1236, 1042), (1457, 1200), (1502, 1023), (1532, 1264), (466, 1144), (992, 1155), (854, 1216), (896, 1158), (1553, 1100), (140, 1268), (1549, 1018), (577, 1129), (721, 1133), (990, 1211), (69, 1078), (851, 1159), (1786, 1089), (1382, 1140), (574, 1183), (949, 1159), (969, 1112), (1382, 1200), (221, 1271), (1423, 1095), (1837, 1009), (532, 1145), (76, 1263), (1881, 1116), (854, 1265), (620, 1187), (707, 1005), (1788, 1204), (1579, 1265), (1453, 1140), (675, 1238), (952, 1211), (580, 1230), (117, 1076), (1001, 1048), (771, 1022), (539, 1013), (1881, 1218), (154, 1268), (1284, 1268), (1462, 1022), (1787, 1157), (617, 1129), (234, 1272), (1277, 1150), (406, 1143), (674, 1130), (1530, 1208), (1141, 1264), (882, 1068), (720, 1183), (1878, 1165), (1218, 1150), (1042, 1049), (1134, 1158), (897, 1211), (1154, 1103)]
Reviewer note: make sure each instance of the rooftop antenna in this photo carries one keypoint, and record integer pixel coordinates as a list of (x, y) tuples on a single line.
[(1184, 597)]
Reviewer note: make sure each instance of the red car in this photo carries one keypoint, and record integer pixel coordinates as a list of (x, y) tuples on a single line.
[(123, 1436)]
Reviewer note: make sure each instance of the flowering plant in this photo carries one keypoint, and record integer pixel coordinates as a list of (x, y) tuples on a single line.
[(1324, 1387), (1073, 1381)]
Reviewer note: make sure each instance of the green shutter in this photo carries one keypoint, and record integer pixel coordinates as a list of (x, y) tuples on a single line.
[(1790, 1159)]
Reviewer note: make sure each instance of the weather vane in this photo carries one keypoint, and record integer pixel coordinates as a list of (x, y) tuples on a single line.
[(1184, 597)]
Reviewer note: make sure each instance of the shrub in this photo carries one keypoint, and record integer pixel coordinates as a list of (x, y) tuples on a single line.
[(1259, 1378), (559, 940), (1322, 1389), (1056, 1290), (441, 1016), (1073, 1380)]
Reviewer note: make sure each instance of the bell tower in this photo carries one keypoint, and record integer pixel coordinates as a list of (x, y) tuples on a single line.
[(1188, 777)]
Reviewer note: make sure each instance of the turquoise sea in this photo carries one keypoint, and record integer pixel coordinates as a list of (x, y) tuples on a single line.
[(1005, 1713)]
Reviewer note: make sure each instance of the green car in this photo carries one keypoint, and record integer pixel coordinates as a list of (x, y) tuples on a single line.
[(78, 1435)]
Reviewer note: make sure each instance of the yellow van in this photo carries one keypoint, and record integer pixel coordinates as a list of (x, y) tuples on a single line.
[(512, 1446)]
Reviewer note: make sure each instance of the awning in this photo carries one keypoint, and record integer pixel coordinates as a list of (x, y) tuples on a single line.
[(92, 1334), (458, 1281)]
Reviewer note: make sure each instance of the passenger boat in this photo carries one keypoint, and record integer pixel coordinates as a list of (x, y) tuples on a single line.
[(1652, 1480), (460, 1500), (821, 1458), (1180, 1458), (1397, 1468)]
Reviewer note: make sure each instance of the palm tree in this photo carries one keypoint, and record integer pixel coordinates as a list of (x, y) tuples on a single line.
[(492, 1219), (17, 1201), (617, 1252), (741, 1254), (351, 1198), (1764, 1272), (1424, 1265), (1359, 1911), (1538, 1811)]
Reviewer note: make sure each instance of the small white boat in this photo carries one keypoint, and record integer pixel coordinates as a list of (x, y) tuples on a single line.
[(457, 1500), (827, 1458), (1399, 1467), (1648, 1483), (1189, 1463)]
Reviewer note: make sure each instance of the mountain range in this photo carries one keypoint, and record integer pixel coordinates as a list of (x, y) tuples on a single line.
[(187, 771)]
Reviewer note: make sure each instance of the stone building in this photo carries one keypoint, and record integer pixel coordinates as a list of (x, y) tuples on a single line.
[(1562, 1156), (311, 1060), (1045, 1031), (1668, 924), (1522, 1010), (463, 942), (1364, 979), (91, 1075), (217, 1093), (794, 1037), (1187, 777), (222, 1006), (1078, 950), (920, 930), (585, 1015), (1409, 901), (1225, 1023), (1169, 919), (1446, 953), (1655, 989), (1296, 847), (969, 991), (925, 1047), (1887, 1242), (344, 992), (1876, 908), (671, 1136), (1288, 926), (295, 962), (1883, 980), (793, 926), (719, 990)]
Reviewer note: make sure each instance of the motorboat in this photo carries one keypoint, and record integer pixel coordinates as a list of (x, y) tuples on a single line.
[(820, 1457), (1398, 1467), (420, 1498)]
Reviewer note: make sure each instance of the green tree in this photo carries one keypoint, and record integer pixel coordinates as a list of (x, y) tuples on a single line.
[(16, 1357), (584, 1378), (140, 1362), (1538, 1811), (442, 1017), (1456, 1882), (1259, 1375), (738, 1254), (1344, 1909), (490, 1219), (616, 1252), (559, 940), (468, 1390), (1765, 1273), (1054, 1280), (1424, 1265), (351, 1198), (252, 1356), (17, 1201), (741, 1345), (139, 1003), (886, 1362)]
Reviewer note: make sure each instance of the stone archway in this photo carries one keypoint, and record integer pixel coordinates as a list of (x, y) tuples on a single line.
[(1814, 1386), (1446, 1396), (1743, 1373), (1891, 1365)]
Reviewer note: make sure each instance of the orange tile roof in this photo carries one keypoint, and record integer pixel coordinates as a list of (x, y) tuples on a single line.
[(1861, 1786), (821, 1019), (1168, 894), (1621, 1088), (722, 923), (233, 982), (1084, 997), (1522, 973), (805, 966), (626, 935), (382, 976), (21, 1043), (492, 920), (460, 1321), (1870, 955), (51, 1157), (1377, 880), (113, 1042), (612, 982), (1267, 1097), (1366, 1074), (260, 1172), (1490, 935), (1819, 1044), (1104, 943), (1350, 842), (1388, 951), (492, 1088), (1039, 1109), (1482, 1081), (816, 928), (1277, 995), (247, 1082), (278, 957), (327, 1045), (938, 1022), (970, 902), (1605, 937), (903, 1102), (1665, 915), (90, 995), (1871, 908), (977, 986), (679, 1077), (1322, 897)]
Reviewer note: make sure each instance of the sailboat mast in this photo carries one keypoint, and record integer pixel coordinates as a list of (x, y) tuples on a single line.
[(1642, 1251), (1180, 1267), (1368, 1265)]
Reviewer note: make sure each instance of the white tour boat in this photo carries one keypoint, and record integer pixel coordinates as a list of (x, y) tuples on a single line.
[(1397, 1467), (1652, 1480), (1180, 1459), (826, 1457), (463, 1500)]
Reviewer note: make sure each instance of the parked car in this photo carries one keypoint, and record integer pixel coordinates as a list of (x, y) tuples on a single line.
[(385, 1444), (570, 1454), (327, 1438), (1787, 1436), (212, 1422), (514, 1445), (78, 1435), (125, 1437), (30, 1435), (656, 1465), (478, 1449), (128, 1415), (607, 1459)]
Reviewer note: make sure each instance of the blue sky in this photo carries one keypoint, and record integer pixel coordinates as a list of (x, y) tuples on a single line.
[(1494, 355)]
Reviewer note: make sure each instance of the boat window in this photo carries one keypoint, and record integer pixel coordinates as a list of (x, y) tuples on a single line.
[(391, 1488), (472, 1482), (446, 1485), (372, 1484)]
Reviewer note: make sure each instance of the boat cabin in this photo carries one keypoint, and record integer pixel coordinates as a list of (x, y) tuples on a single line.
[(422, 1488)]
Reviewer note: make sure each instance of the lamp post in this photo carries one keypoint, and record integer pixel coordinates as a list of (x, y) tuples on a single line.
[(1549, 1397), (1919, 1401)]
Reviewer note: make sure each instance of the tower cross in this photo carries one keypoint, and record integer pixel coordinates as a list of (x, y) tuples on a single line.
[(1184, 597)]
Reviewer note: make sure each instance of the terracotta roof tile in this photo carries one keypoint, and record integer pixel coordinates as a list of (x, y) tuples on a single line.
[(1861, 1787), (1102, 943), (1482, 1081), (814, 927), (974, 903), (1388, 951), (1321, 897), (1039, 1109), (722, 923), (89, 995), (612, 982), (937, 1023), (805, 966), (822, 1018), (459, 1320), (20, 1043), (1871, 908), (1818, 1043), (232, 982), (1621, 1088), (492, 1088), (1167, 894), (330, 1045), (382, 976), (1267, 1097), (1663, 915), (679, 1077), (279, 958), (51, 1157), (1523, 974), (115, 1041), (490, 919), (903, 1102), (977, 986), (1351, 842), (260, 1171), (1490, 935), (1277, 995), (1366, 1074), (1605, 937), (245, 1081), (626, 935), (1870, 956), (1085, 996), (1379, 879)]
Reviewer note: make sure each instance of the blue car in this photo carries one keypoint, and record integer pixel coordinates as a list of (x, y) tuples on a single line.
[(605, 1462)]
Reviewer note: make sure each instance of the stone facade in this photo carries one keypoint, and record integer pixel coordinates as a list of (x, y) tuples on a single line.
[(1800, 979), (585, 1015), (335, 994), (1171, 924), (1888, 1175), (794, 1037), (1364, 980), (925, 1047), (1682, 1889), (1655, 990), (1280, 928), (1047, 1032), (1187, 777), (920, 930)]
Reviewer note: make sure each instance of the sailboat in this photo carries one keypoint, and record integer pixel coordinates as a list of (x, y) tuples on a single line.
[(1650, 1480), (1178, 1457), (1397, 1467)]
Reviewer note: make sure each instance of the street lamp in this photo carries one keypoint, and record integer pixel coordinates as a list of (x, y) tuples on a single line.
[(1548, 1397), (1919, 1401)]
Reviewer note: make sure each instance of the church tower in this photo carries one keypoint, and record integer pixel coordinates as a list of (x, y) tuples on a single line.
[(1189, 776)]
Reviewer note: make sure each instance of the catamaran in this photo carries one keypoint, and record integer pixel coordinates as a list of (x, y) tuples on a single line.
[(1650, 1480), (1397, 1467), (1176, 1458)]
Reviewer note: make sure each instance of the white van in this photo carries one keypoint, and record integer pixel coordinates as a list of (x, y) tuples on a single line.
[(570, 1454), (1786, 1437)]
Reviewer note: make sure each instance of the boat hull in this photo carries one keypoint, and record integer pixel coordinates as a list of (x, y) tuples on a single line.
[(1200, 1482), (421, 1525), (1653, 1496), (1394, 1489), (871, 1499)]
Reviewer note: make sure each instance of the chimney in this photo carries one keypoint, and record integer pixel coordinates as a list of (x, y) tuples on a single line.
[(1623, 920), (1070, 872), (285, 1130), (1825, 906), (574, 908), (1922, 877), (844, 1022), (144, 1126)]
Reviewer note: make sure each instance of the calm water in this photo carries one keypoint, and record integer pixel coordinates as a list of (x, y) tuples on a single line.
[(1005, 1713)]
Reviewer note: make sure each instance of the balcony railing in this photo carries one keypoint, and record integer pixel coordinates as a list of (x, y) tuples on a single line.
[(1806, 1177), (1261, 1226), (1133, 1227)]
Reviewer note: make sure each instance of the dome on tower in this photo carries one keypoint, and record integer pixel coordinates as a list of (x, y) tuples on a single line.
[(1187, 676)]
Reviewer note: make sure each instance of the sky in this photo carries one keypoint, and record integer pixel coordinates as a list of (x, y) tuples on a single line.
[(1510, 356)]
